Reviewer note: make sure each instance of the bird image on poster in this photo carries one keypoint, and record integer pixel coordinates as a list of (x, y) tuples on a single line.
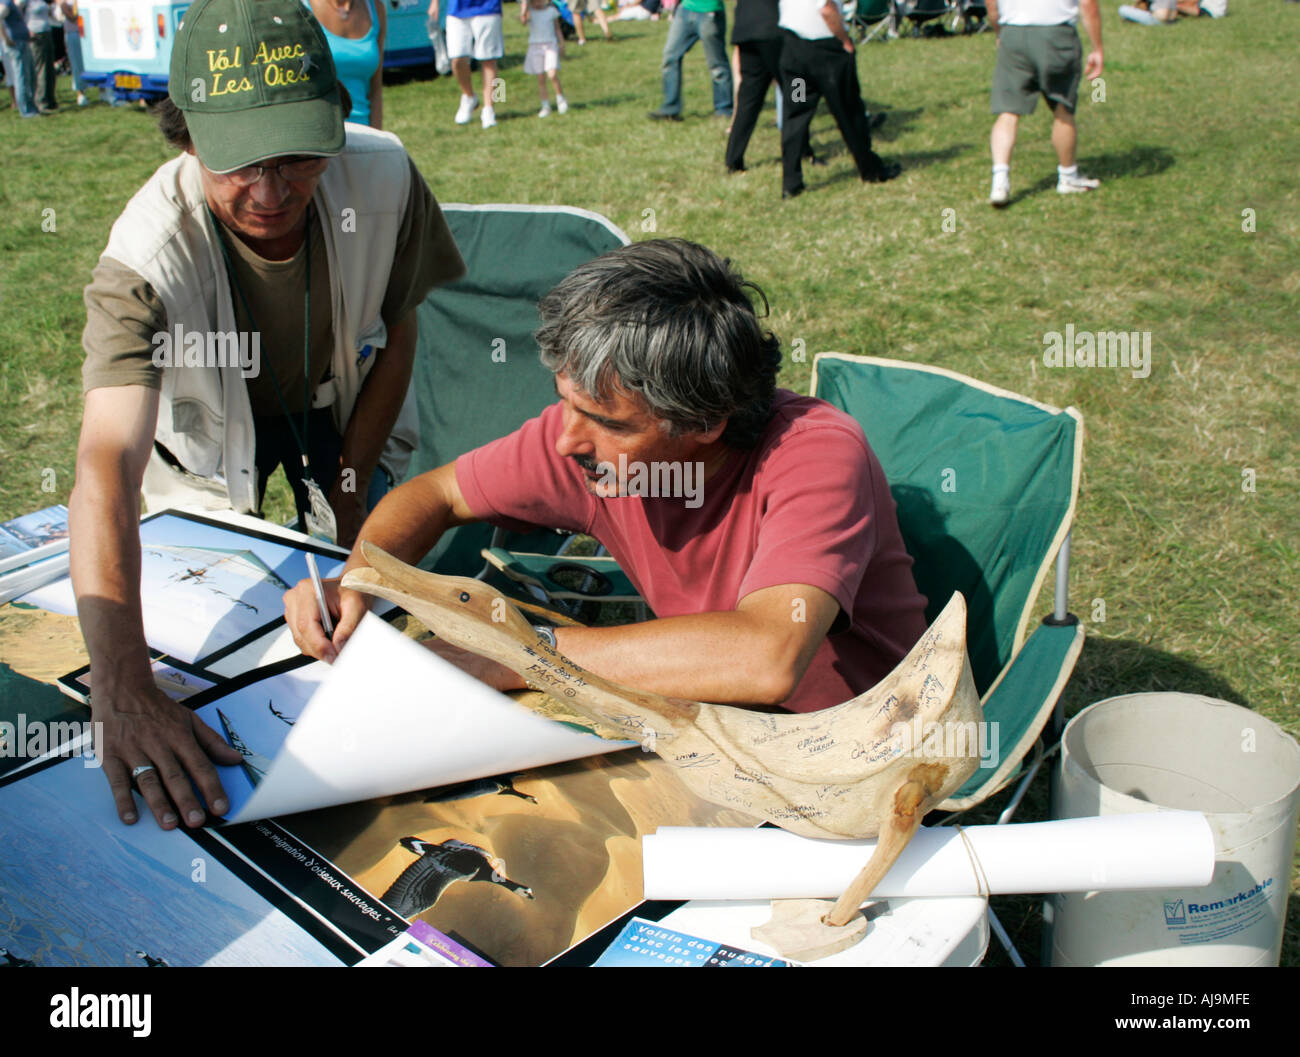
[(255, 764), (418, 887), (502, 785), (239, 576)]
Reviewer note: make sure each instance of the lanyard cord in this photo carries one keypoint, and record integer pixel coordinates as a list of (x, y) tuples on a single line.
[(302, 440)]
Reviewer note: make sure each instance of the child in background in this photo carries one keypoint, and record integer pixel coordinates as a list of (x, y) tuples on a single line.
[(545, 48)]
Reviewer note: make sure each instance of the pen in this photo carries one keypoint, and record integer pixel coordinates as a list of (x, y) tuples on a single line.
[(320, 595)]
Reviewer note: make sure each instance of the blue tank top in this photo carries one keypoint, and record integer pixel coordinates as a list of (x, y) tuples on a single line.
[(356, 62)]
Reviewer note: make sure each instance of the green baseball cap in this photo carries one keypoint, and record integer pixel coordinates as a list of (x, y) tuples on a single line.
[(255, 80)]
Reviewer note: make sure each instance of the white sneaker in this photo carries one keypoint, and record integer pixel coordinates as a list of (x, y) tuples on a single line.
[(468, 104), (488, 117), (1069, 185), (1000, 195), (561, 104), (545, 111)]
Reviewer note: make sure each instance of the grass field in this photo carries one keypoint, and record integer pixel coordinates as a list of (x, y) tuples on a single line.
[(1182, 561)]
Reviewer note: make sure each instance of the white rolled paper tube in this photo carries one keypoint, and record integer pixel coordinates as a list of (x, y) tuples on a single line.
[(1158, 849)]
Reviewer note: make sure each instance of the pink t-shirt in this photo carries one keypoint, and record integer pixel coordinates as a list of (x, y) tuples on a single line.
[(808, 505)]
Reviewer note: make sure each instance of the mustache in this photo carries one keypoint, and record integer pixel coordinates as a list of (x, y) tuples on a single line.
[(587, 462)]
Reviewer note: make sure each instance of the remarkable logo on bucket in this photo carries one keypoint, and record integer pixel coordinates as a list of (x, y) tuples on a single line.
[(1223, 904)]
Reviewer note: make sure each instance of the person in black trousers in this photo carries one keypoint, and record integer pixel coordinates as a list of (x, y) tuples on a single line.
[(757, 36), (817, 59)]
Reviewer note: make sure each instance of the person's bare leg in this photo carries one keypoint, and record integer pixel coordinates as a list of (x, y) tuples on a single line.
[(1065, 136), (1003, 137), (460, 67), (489, 68), (1001, 140), (577, 25), (602, 20), (1065, 139)]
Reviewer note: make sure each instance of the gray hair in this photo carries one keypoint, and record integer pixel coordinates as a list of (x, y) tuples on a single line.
[(671, 322)]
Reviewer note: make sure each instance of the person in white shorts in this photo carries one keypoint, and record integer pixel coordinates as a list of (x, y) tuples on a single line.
[(473, 32), (545, 49)]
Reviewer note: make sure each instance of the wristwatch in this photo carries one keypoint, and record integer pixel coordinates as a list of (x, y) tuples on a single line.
[(547, 634)]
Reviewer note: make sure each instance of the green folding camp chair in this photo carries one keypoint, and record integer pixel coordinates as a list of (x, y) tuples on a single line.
[(478, 377), (919, 12), (872, 19), (972, 16), (985, 482)]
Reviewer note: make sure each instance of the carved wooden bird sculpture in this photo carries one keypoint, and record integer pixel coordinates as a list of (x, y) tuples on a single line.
[(847, 772)]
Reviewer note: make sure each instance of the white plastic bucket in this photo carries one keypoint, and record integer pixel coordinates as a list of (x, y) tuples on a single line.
[(1147, 752)]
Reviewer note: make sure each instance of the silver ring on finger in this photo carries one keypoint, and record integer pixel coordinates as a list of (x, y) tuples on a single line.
[(144, 768)]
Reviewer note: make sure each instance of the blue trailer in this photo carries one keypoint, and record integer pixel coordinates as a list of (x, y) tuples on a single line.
[(127, 44)]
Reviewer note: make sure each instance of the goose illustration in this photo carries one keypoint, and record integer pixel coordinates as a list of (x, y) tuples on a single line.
[(504, 786), (255, 764), (151, 962), (420, 885), (13, 959), (205, 565)]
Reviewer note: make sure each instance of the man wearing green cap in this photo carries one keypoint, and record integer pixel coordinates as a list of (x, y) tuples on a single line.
[(255, 307)]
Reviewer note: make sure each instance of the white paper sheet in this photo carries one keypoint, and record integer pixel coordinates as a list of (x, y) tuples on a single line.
[(1158, 849), (388, 717)]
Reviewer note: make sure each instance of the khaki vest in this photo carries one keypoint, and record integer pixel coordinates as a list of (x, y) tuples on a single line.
[(167, 236)]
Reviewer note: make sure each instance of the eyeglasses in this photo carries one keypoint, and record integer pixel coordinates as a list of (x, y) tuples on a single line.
[(290, 171)]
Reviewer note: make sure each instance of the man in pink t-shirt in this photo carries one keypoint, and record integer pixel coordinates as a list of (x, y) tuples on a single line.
[(756, 523)]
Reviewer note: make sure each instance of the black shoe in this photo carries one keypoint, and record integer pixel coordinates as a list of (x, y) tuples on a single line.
[(659, 115), (887, 171), (787, 193), (736, 169), (813, 159), (877, 120)]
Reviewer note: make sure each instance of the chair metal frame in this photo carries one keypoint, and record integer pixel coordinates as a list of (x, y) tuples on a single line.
[(865, 29)]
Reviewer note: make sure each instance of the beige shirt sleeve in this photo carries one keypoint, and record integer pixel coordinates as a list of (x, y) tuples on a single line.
[(123, 313)]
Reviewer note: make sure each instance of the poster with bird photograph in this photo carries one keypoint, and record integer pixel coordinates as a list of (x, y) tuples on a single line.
[(518, 867), (78, 888), (205, 586)]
